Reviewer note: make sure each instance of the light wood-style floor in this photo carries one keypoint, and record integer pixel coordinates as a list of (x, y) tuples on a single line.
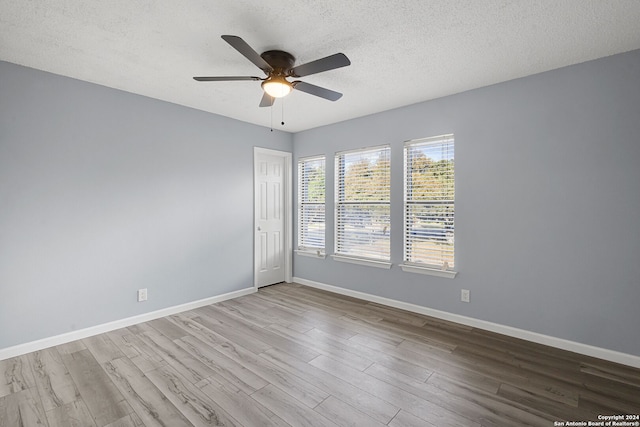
[(292, 355)]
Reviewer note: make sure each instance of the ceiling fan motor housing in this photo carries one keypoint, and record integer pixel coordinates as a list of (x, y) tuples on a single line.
[(280, 60)]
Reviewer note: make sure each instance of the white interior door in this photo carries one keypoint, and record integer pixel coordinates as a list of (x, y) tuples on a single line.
[(271, 216)]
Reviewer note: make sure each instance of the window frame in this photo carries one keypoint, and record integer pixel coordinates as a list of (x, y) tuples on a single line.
[(338, 204), (301, 249), (441, 270)]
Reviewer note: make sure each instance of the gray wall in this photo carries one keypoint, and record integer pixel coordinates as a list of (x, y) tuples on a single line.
[(103, 192), (547, 202)]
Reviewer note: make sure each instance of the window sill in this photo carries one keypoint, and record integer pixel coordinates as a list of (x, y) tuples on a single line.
[(311, 253), (410, 268), (362, 261)]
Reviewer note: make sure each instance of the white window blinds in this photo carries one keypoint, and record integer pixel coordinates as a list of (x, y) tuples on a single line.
[(429, 202), (311, 204), (363, 204)]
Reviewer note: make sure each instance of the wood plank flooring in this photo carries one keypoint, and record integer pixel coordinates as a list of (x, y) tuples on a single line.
[(290, 355)]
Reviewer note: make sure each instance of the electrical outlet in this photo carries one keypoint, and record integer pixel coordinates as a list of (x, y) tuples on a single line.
[(464, 295), (142, 295)]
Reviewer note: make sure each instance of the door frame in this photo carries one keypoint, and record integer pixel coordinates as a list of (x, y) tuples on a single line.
[(288, 211)]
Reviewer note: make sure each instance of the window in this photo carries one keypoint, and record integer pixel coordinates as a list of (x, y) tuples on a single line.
[(429, 204), (311, 204), (362, 206)]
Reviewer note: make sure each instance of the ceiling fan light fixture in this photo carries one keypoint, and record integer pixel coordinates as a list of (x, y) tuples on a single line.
[(279, 65), (277, 87)]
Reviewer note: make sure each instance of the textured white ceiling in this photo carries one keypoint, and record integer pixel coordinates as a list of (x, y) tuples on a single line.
[(402, 51)]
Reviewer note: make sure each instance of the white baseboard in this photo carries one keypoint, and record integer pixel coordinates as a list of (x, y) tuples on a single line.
[(576, 347), (29, 347)]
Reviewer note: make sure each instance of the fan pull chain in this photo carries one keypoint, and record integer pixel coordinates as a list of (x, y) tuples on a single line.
[(282, 103), (271, 109)]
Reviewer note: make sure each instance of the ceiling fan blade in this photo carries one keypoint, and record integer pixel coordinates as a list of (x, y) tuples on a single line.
[(317, 91), (225, 78), (267, 100), (332, 62), (241, 46)]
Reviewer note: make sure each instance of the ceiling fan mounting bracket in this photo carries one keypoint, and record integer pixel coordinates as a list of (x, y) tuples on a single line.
[(280, 60)]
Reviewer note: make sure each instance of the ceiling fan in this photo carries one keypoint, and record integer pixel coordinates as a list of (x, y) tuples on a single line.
[(278, 65)]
